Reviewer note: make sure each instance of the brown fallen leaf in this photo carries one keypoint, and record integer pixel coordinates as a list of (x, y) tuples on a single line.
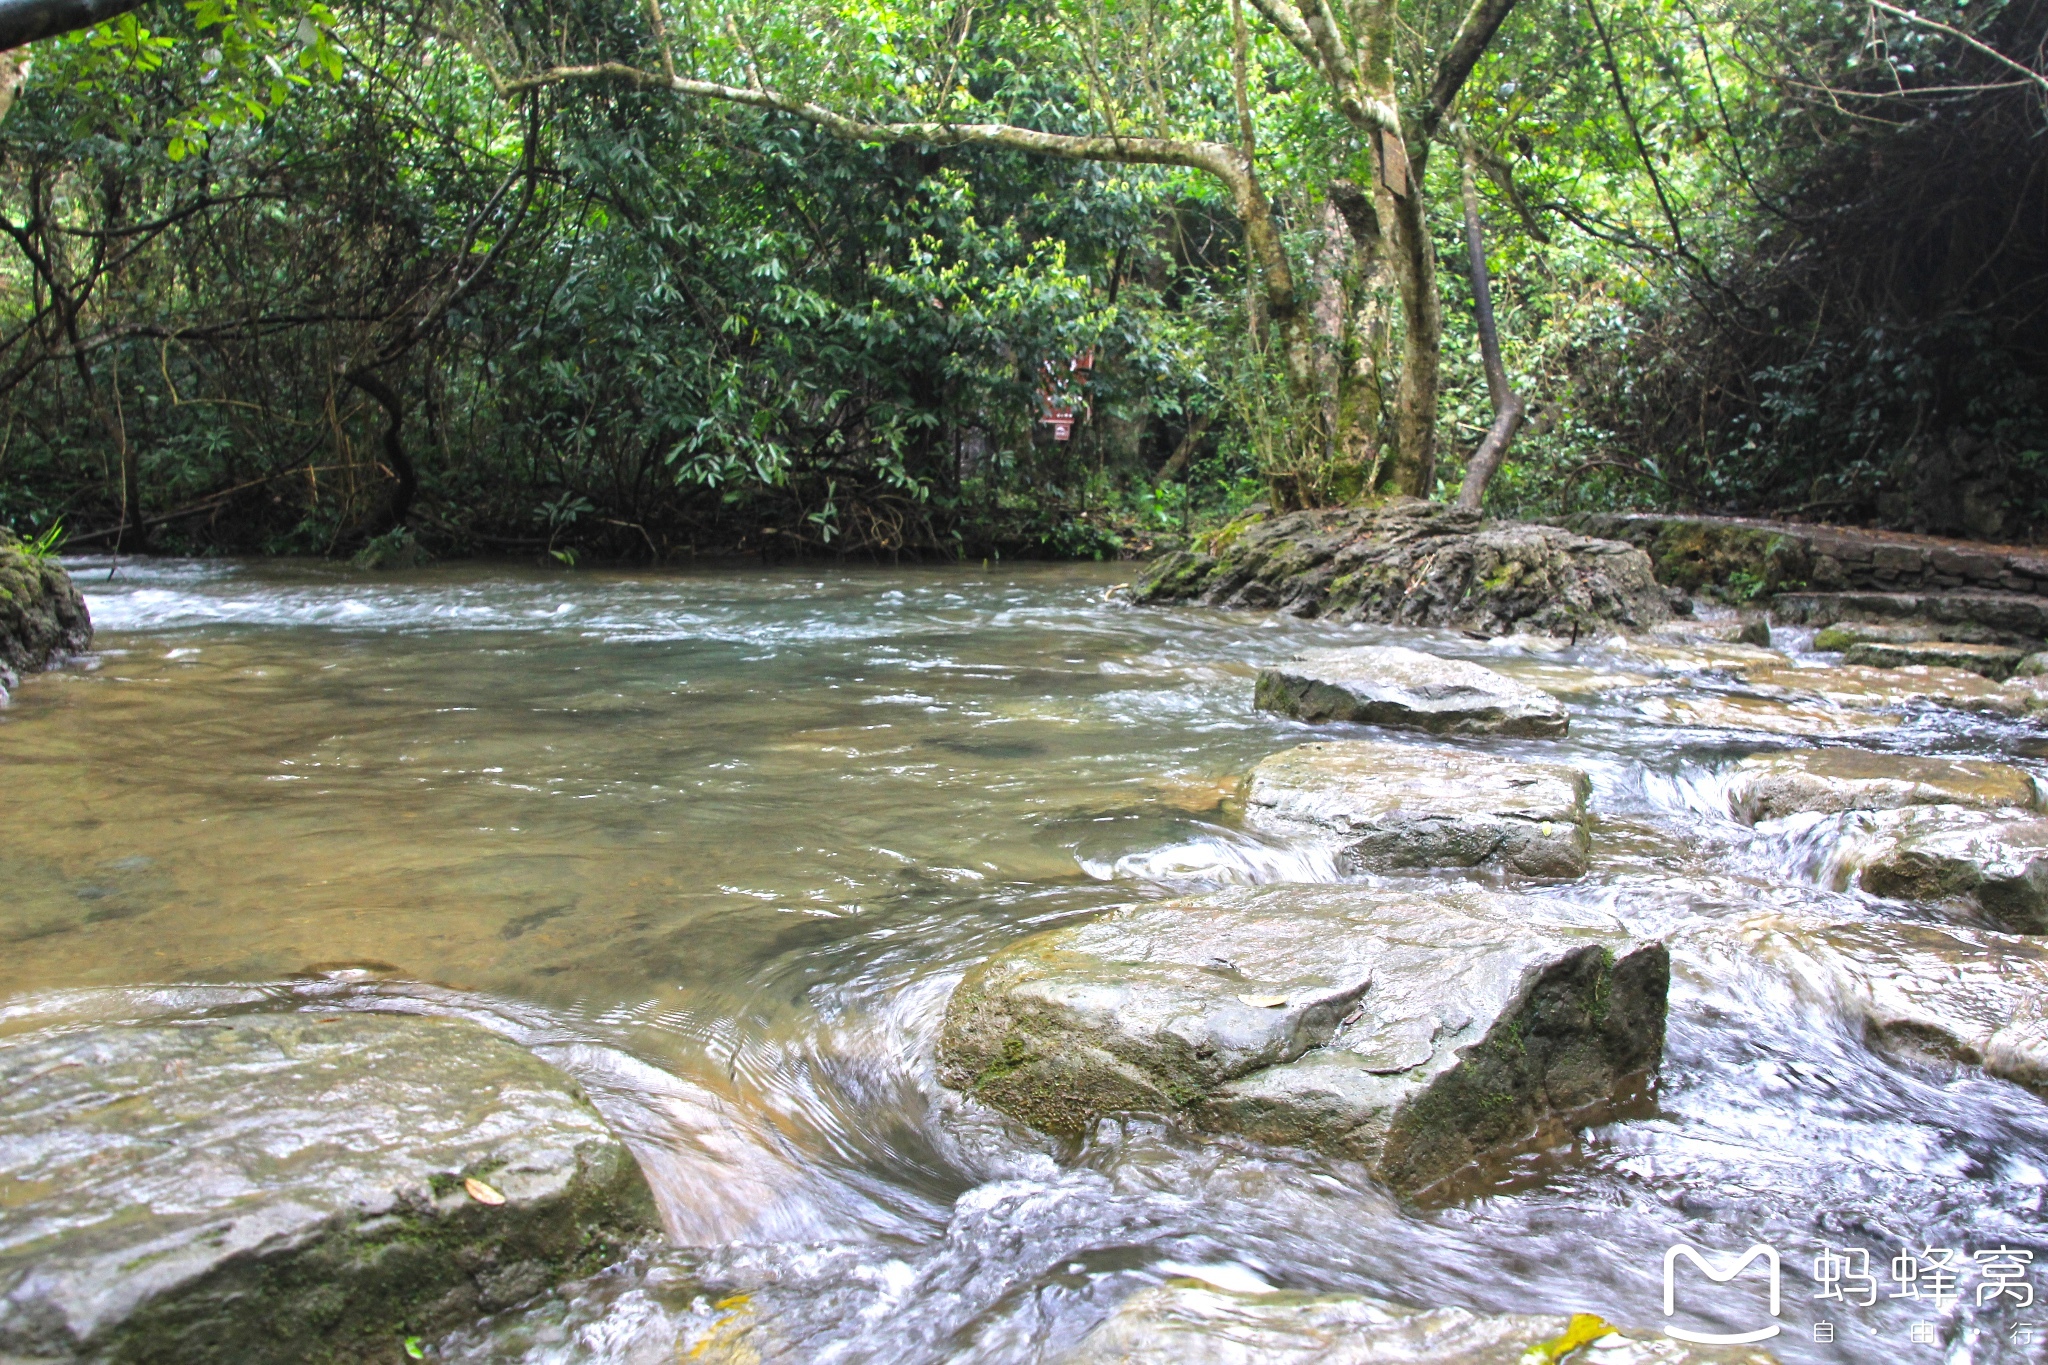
[(1264, 1002), (482, 1193)]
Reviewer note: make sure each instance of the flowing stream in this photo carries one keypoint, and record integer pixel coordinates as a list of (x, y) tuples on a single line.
[(720, 843)]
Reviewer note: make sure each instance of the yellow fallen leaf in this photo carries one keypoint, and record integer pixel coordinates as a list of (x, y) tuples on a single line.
[(482, 1193), (1584, 1330), (1263, 1002)]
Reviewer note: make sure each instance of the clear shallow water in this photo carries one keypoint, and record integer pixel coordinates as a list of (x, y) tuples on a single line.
[(721, 843)]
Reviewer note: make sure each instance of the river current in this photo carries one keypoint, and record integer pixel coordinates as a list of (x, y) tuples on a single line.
[(720, 844)]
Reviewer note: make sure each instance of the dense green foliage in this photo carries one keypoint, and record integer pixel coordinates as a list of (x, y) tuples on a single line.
[(303, 280)]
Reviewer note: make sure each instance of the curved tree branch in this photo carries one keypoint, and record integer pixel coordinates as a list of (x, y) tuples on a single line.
[(27, 21)]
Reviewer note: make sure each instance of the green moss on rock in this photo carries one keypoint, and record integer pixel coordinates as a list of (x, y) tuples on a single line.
[(42, 614)]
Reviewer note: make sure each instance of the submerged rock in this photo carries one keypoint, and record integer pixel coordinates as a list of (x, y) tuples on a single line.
[(1815, 718), (1996, 662), (1829, 781), (1888, 689), (290, 1187), (1994, 861), (1416, 564), (1416, 1030), (1185, 1322), (42, 613), (1390, 806), (1405, 689), (1926, 991), (1676, 654)]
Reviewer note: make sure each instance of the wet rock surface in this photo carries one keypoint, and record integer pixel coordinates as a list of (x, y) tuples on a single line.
[(1832, 780), (42, 614), (1188, 1323), (1807, 718), (1391, 806), (290, 1187), (1856, 687), (1416, 1030), (1842, 635), (1406, 689), (1996, 862), (1996, 662), (1925, 992), (1418, 564)]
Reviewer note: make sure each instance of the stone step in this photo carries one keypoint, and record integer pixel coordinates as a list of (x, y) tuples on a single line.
[(2008, 618), (1696, 552)]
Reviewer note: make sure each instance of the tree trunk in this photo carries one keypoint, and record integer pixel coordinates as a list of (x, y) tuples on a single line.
[(1175, 463), (400, 506), (1361, 396), (1413, 468), (1508, 410), (1329, 270)]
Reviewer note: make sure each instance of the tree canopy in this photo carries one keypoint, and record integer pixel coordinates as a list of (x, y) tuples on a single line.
[(795, 276)]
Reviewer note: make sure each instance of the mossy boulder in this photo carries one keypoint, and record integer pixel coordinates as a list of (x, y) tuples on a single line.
[(1186, 1322), (1419, 564), (1417, 1031), (1387, 806), (42, 613), (290, 1187), (1732, 560)]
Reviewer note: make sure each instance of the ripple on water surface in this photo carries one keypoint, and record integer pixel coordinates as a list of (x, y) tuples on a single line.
[(720, 843)]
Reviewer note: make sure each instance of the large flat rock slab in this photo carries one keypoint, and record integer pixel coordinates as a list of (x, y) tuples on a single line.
[(1416, 1030), (1833, 780), (1395, 806), (290, 1187), (1994, 862), (1944, 993), (1416, 563), (1187, 1323), (1405, 689)]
